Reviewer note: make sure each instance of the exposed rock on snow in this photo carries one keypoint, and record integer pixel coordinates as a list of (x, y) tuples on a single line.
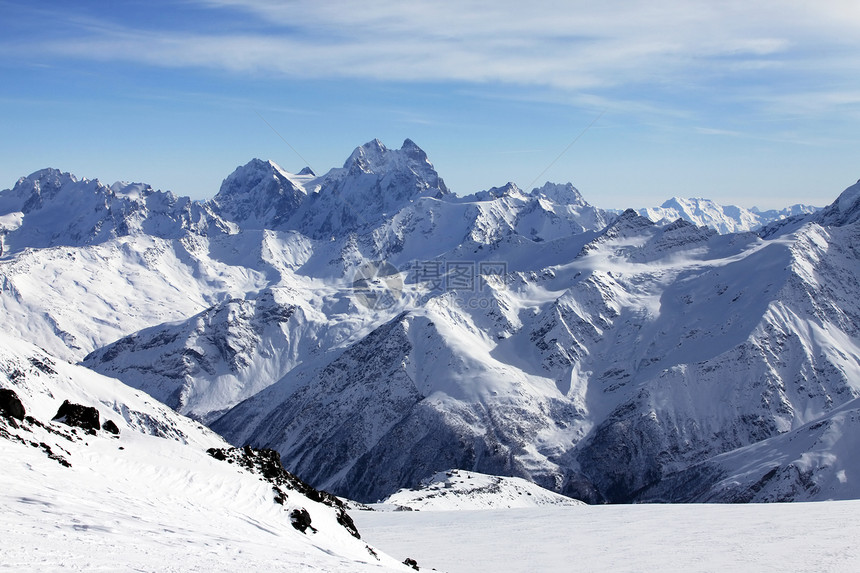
[(10, 404), (84, 417), (267, 463), (151, 497)]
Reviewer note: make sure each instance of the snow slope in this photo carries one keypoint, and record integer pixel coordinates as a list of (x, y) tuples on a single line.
[(457, 490), (149, 498), (814, 461)]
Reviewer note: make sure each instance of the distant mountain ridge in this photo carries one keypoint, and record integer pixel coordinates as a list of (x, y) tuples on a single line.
[(722, 218), (525, 334)]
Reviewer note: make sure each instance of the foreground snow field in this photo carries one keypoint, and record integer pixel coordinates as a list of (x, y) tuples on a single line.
[(795, 537), (165, 513), (148, 497)]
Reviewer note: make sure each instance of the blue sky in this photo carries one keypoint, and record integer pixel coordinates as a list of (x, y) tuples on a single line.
[(751, 103)]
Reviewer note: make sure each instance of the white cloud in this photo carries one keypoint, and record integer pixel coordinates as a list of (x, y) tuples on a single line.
[(586, 46)]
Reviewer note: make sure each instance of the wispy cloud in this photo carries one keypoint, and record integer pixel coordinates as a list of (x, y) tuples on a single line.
[(609, 49)]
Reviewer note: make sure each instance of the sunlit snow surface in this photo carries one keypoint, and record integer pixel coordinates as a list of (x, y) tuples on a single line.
[(754, 537), (149, 499), (455, 490)]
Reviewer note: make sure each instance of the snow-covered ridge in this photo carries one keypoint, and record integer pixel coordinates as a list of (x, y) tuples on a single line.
[(52, 208), (722, 218), (465, 490)]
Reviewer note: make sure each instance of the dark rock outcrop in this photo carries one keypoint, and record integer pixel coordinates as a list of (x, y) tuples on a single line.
[(301, 520), (110, 426), (85, 417), (267, 463), (10, 404)]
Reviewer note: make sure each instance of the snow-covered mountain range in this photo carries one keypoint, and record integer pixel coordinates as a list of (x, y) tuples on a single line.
[(376, 329), (722, 218)]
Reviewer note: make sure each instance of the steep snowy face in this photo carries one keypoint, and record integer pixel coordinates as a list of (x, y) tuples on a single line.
[(415, 395), (809, 463), (739, 353), (628, 230), (51, 208), (844, 211), (259, 195), (213, 360)]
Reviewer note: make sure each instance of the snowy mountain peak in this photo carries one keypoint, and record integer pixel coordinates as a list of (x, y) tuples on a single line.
[(692, 204), (722, 218), (374, 158), (48, 175), (630, 219), (248, 177), (562, 194), (848, 201), (30, 193), (367, 158), (374, 182), (844, 211), (259, 194), (51, 208), (413, 151), (509, 189)]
